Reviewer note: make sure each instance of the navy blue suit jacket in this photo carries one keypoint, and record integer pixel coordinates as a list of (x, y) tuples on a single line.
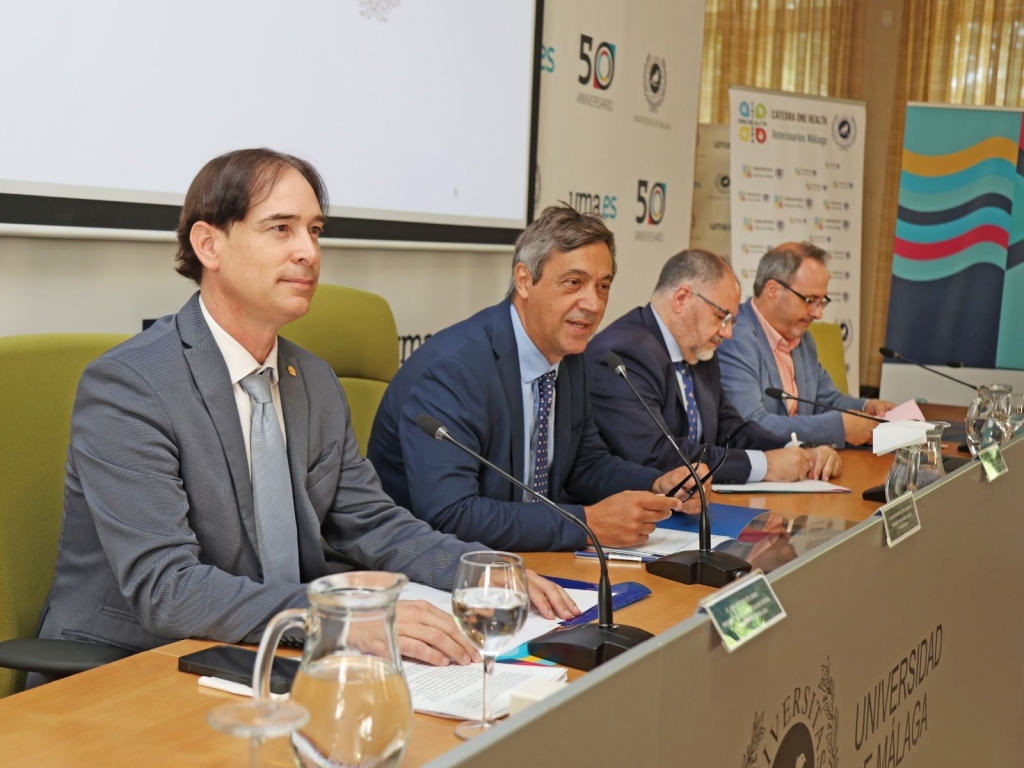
[(468, 377), (628, 429)]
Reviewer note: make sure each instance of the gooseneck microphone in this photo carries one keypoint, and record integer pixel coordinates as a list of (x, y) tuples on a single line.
[(777, 394), (583, 647), (892, 354), (710, 569)]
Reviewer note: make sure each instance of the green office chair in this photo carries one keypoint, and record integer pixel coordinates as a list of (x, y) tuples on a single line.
[(41, 375), (831, 354), (354, 331)]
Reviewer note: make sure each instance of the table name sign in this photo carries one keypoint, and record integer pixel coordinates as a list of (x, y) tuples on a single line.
[(743, 610), (900, 518), (992, 461)]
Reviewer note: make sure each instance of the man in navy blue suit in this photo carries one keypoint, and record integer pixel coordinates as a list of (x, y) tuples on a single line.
[(509, 382), (668, 348)]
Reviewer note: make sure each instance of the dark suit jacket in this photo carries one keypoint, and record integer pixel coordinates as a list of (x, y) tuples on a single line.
[(159, 534), (628, 429), (468, 377)]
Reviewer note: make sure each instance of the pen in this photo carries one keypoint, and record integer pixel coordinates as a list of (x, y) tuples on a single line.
[(792, 436), (616, 557)]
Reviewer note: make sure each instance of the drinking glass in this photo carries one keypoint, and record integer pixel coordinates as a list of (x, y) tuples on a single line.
[(1015, 412), (257, 721), (490, 601)]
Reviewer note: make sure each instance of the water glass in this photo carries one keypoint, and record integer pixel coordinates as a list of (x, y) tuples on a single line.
[(490, 601)]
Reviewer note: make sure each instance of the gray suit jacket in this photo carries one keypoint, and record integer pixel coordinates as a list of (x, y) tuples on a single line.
[(159, 536), (748, 368)]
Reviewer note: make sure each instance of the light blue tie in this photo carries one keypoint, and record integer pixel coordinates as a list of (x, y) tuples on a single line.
[(271, 485)]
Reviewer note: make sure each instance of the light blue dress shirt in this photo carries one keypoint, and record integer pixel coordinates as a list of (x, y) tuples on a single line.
[(532, 365)]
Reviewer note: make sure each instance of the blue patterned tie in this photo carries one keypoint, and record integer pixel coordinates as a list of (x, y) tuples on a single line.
[(689, 399), (545, 393), (271, 486)]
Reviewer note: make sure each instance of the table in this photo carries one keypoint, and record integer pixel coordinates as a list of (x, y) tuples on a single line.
[(142, 711)]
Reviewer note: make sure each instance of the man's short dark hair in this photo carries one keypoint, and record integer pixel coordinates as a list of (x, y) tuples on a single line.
[(782, 262), (693, 266), (558, 228), (227, 187)]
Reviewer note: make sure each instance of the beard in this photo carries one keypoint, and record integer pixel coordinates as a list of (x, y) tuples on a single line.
[(707, 352)]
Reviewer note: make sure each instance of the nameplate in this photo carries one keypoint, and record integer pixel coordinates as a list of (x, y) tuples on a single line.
[(743, 610), (992, 461), (900, 519)]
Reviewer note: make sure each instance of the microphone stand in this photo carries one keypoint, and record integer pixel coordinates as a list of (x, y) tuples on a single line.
[(892, 354), (583, 647), (778, 394), (701, 566)]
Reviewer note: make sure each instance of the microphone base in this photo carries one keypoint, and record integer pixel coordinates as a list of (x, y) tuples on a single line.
[(586, 646), (709, 569)]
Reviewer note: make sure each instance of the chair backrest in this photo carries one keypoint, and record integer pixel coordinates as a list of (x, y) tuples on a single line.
[(354, 331), (831, 354), (41, 374)]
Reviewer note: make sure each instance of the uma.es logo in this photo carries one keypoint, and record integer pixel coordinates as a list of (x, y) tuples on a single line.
[(599, 62), (651, 197), (547, 58), (605, 206)]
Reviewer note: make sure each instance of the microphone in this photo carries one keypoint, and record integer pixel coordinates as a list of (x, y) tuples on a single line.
[(778, 394), (583, 647), (892, 354), (710, 569)]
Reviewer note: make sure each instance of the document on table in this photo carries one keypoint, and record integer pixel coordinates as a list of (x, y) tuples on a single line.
[(535, 626), (800, 486), (908, 411), (457, 692), (899, 434), (665, 541)]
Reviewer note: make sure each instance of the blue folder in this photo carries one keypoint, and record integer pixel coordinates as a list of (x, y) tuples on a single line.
[(726, 520)]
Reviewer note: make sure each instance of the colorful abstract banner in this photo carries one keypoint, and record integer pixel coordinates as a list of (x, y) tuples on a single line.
[(958, 256)]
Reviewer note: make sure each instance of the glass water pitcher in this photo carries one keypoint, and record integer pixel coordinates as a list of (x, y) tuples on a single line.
[(916, 466), (350, 677), (988, 418)]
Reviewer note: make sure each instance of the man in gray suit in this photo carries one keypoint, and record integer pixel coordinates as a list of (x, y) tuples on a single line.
[(770, 347), (162, 537)]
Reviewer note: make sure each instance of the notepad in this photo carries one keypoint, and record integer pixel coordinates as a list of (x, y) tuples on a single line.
[(800, 486)]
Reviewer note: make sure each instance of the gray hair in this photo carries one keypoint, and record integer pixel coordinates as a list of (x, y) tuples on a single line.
[(782, 262), (692, 265), (558, 228)]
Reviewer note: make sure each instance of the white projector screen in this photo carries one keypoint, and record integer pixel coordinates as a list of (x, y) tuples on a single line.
[(418, 113)]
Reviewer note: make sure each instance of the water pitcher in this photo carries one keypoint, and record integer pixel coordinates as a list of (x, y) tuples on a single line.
[(350, 677), (988, 417), (916, 466)]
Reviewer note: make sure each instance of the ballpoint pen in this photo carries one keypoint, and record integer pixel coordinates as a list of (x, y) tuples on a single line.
[(616, 557)]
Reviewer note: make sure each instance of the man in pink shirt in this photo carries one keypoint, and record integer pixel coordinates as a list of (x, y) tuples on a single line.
[(770, 348)]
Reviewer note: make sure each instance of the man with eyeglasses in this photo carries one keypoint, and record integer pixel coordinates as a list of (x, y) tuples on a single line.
[(770, 348), (668, 348)]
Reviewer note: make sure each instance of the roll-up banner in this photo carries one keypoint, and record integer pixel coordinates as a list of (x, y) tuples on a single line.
[(711, 228), (797, 174), (958, 256)]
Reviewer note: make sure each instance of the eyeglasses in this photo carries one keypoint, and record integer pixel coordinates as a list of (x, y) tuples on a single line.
[(728, 320), (816, 303)]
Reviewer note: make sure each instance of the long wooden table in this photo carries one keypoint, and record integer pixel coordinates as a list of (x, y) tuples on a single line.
[(143, 711)]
